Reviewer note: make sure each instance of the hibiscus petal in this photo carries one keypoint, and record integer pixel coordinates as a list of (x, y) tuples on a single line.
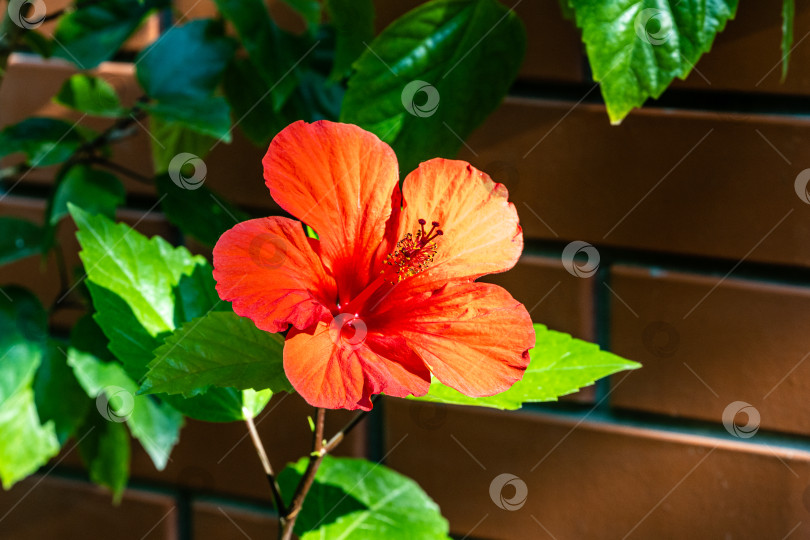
[(335, 373), (268, 268), (480, 226), (343, 182), (474, 336)]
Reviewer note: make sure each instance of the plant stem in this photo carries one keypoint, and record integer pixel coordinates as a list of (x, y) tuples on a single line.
[(338, 437), (268, 469), (123, 170), (315, 458)]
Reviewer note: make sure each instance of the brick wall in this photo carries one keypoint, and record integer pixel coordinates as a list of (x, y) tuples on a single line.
[(702, 277)]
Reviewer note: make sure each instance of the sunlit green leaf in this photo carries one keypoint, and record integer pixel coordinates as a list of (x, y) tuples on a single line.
[(26, 443), (91, 95), (197, 356), (559, 365), (355, 499), (788, 15), (636, 48)]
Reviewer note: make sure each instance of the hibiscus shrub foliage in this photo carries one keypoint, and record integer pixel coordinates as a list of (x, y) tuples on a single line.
[(370, 288)]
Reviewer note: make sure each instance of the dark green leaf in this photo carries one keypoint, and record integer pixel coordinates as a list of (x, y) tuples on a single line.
[(93, 34), (269, 50), (355, 499), (198, 356), (354, 25), (310, 10), (173, 138), (249, 97), (434, 75), (197, 212), (181, 71), (38, 43), (59, 398), (788, 14), (91, 95), (636, 48), (104, 449), (186, 64), (93, 190), (44, 141), (211, 116), (559, 365), (18, 239)]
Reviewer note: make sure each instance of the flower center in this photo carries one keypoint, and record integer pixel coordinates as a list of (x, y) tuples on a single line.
[(412, 254)]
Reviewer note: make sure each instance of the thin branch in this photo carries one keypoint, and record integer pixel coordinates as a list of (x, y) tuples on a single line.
[(315, 458), (268, 469), (338, 437), (138, 177)]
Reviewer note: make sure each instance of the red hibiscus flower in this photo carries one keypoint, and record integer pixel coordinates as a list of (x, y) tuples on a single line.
[(387, 295)]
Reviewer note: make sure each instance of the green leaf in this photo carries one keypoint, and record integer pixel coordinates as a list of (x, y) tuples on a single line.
[(38, 43), (18, 239), (91, 95), (25, 442), (559, 365), (59, 398), (181, 71), (142, 291), (636, 48), (252, 106), (23, 326), (44, 141), (104, 447), (434, 75), (310, 10), (186, 64), (354, 27), (354, 499), (93, 190), (173, 138), (196, 356), (211, 116), (140, 274), (94, 33), (788, 14), (156, 425), (198, 212), (270, 51)]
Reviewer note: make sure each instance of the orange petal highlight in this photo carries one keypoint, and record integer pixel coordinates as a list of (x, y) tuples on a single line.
[(268, 268), (337, 372), (343, 182), (480, 226)]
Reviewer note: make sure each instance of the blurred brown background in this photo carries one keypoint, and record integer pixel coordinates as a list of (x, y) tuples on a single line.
[(703, 277)]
